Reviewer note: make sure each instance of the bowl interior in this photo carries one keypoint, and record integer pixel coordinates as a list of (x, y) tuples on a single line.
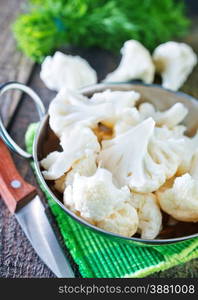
[(162, 100)]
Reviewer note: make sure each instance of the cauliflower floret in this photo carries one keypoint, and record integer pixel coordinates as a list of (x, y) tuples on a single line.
[(180, 200), (186, 152), (123, 221), (173, 150), (69, 108), (86, 166), (68, 71), (165, 133), (129, 119), (171, 117), (95, 197), (119, 99), (149, 214), (144, 157), (127, 157), (122, 106), (182, 146), (166, 153), (174, 61), (80, 143), (136, 63)]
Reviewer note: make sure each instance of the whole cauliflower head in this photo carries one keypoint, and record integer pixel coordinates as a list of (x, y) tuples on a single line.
[(174, 61), (81, 143), (70, 108), (68, 71), (136, 63), (123, 221), (181, 199), (149, 214), (95, 197)]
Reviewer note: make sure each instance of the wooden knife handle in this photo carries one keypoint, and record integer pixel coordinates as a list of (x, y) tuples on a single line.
[(13, 188)]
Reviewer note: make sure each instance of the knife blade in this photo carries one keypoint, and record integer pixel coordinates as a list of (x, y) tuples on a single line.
[(23, 201)]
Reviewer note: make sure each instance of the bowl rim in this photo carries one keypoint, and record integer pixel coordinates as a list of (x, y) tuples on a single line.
[(90, 89)]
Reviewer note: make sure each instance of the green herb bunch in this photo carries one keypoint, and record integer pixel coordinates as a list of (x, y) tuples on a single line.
[(50, 24)]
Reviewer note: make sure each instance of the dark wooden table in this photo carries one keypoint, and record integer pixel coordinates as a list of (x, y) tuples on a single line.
[(17, 257)]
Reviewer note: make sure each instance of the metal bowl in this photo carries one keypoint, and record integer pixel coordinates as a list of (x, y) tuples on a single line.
[(45, 141)]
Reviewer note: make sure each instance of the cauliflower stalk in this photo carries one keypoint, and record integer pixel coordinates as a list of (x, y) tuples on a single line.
[(181, 199)]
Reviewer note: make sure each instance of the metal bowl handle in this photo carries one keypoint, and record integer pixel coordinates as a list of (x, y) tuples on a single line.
[(40, 109)]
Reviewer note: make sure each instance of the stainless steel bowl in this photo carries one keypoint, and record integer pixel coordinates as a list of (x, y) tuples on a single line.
[(45, 142)]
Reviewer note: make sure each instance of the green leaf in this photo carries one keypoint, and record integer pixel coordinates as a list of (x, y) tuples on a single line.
[(50, 24)]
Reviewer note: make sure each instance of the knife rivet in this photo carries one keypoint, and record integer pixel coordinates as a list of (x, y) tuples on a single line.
[(16, 184)]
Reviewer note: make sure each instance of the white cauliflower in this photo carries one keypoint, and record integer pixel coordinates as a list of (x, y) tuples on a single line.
[(173, 149), (95, 197), (174, 61), (123, 221), (171, 117), (80, 143), (70, 108), (66, 71), (85, 166), (190, 146), (149, 214), (119, 99), (176, 132), (122, 105), (140, 149), (166, 153), (136, 63), (130, 118), (180, 148), (127, 157), (180, 200), (144, 157)]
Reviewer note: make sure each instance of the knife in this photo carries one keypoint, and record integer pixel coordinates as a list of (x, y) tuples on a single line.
[(23, 201)]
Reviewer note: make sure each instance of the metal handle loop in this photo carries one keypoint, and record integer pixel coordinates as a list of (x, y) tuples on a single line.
[(40, 109)]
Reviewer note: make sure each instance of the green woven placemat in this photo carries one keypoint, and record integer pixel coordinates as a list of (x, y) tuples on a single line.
[(99, 257)]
